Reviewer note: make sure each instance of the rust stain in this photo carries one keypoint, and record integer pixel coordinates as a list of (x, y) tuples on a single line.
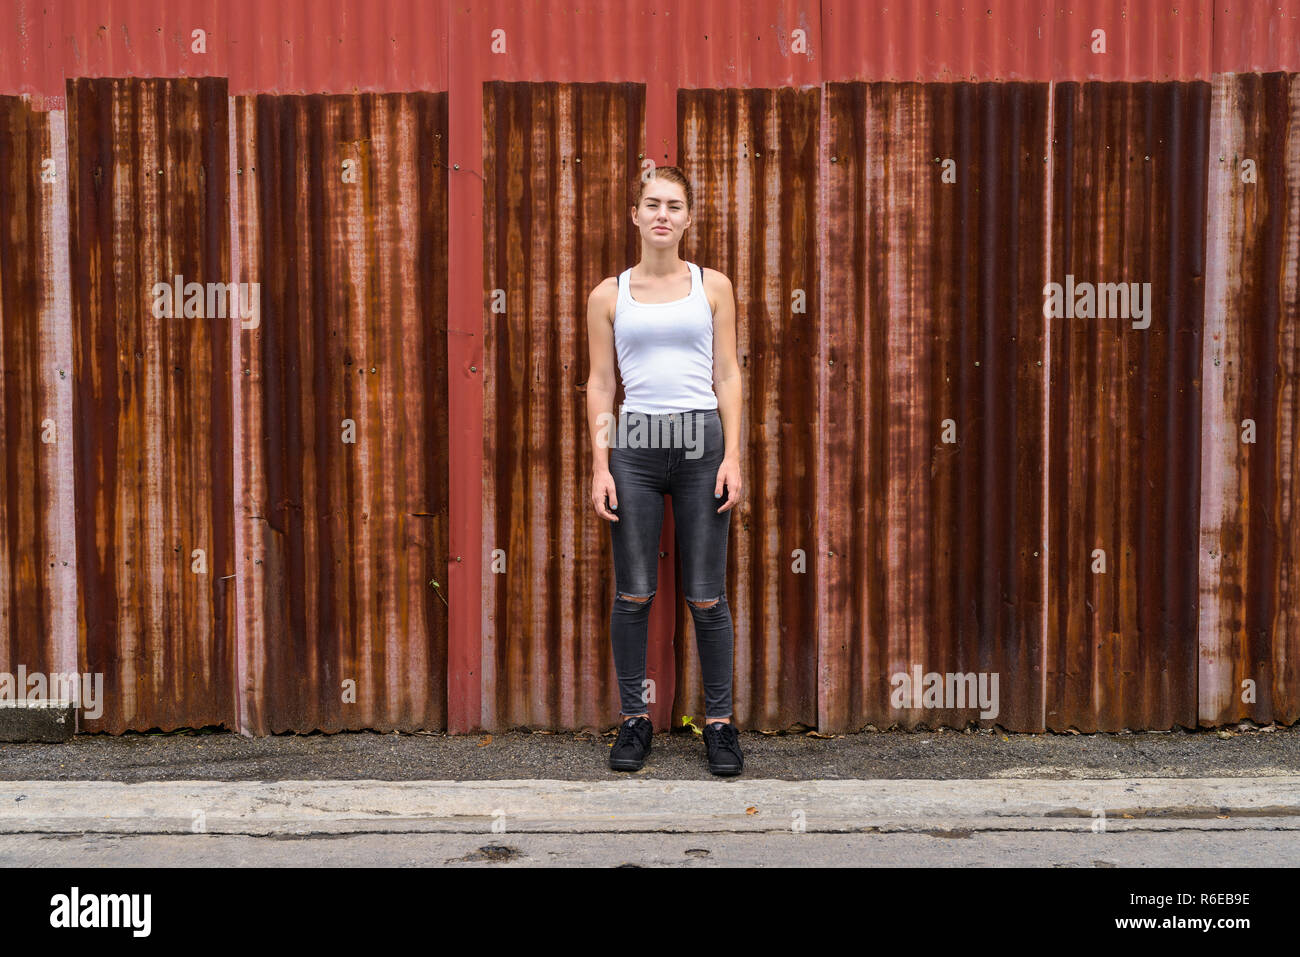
[(1129, 205), (152, 410), (37, 562), (753, 157), (932, 402), (558, 164), (341, 216), (1249, 626)]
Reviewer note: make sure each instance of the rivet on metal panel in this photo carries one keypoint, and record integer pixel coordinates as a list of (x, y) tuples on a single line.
[(473, 368), (455, 166)]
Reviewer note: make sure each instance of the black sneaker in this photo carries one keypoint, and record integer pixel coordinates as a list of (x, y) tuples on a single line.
[(722, 742), (632, 745)]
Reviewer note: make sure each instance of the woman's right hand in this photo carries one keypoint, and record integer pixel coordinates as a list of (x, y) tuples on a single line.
[(602, 485)]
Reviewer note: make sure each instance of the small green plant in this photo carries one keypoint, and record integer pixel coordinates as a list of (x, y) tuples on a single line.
[(689, 722)]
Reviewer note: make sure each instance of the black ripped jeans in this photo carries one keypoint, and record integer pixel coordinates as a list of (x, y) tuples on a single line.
[(678, 454)]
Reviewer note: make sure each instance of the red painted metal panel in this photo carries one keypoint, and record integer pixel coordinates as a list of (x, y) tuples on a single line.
[(344, 46), (154, 495), (466, 322), (945, 41), (396, 45), (1252, 37), (341, 219)]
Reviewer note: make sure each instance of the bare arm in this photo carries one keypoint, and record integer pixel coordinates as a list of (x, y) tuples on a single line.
[(602, 385), (726, 383)]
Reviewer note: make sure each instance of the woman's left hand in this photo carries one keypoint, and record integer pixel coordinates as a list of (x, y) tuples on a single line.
[(728, 478)]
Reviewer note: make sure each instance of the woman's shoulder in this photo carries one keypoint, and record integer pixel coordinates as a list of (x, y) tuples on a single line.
[(714, 277), (604, 297), (607, 287), (717, 287)]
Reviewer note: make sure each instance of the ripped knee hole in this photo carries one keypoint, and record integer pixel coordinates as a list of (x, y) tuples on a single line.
[(636, 598), (705, 604)]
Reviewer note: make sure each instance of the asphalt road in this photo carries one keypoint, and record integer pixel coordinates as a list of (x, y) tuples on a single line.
[(678, 755)]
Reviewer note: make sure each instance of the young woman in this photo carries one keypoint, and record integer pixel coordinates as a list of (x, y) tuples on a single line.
[(671, 328)]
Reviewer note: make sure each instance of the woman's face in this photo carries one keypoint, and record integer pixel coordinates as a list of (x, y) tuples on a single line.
[(662, 216)]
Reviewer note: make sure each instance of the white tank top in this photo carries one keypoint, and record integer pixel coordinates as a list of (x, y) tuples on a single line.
[(665, 350)]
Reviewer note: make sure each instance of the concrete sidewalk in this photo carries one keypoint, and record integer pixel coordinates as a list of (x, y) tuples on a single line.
[(626, 806)]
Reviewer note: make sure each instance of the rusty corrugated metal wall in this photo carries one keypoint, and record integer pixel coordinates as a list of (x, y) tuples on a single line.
[(933, 401), (1128, 204), (550, 585), (341, 218), (152, 414), (934, 469), (753, 156), (38, 603), (1249, 554)]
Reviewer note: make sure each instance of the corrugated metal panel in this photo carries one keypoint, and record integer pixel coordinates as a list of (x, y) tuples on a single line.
[(1250, 470), (153, 419), (386, 45), (344, 46), (374, 45), (1128, 205), (37, 545), (752, 155), (931, 500), (558, 162), (340, 215), (1252, 37), (949, 41)]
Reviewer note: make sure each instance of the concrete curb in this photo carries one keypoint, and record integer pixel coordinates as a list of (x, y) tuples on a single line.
[(844, 806), (41, 720)]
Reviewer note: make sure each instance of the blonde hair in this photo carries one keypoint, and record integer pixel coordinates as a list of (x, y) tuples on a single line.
[(672, 174)]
